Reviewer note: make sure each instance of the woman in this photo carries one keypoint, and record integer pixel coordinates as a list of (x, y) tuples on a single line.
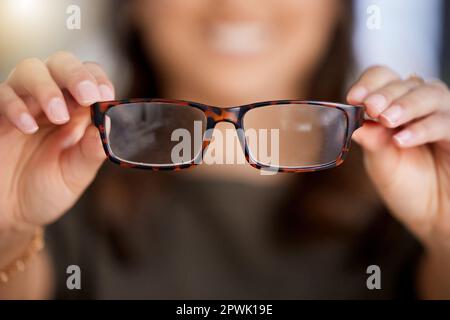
[(173, 235)]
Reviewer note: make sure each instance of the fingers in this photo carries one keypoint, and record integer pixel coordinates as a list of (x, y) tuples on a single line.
[(31, 77), (420, 110), (105, 86), (54, 88), (377, 101), (418, 103), (373, 79), (15, 110), (431, 129), (70, 73)]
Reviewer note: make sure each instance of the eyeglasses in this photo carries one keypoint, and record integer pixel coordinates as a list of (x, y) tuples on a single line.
[(304, 135)]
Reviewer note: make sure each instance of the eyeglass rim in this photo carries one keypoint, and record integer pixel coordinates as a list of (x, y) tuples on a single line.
[(354, 117)]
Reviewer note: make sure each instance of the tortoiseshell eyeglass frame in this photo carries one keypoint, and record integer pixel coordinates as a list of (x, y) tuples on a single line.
[(354, 116)]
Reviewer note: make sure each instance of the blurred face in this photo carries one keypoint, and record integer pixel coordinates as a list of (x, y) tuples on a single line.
[(230, 52)]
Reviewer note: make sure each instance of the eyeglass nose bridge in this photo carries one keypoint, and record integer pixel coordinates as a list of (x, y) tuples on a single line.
[(216, 115), (231, 115)]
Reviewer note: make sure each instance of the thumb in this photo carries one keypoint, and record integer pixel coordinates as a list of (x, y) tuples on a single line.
[(373, 137), (80, 163), (381, 156)]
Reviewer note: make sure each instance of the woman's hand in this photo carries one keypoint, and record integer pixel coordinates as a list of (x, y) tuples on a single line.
[(407, 152), (49, 151)]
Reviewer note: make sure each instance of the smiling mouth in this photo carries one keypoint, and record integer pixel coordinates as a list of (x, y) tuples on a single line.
[(238, 39)]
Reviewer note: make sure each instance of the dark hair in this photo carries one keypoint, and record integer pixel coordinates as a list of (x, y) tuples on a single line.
[(324, 195)]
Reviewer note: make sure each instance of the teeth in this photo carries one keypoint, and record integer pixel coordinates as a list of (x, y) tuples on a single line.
[(238, 38)]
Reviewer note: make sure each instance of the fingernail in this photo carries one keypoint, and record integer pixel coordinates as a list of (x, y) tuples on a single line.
[(404, 138), (393, 114), (58, 110), (377, 103), (358, 94), (27, 123), (106, 92), (88, 92)]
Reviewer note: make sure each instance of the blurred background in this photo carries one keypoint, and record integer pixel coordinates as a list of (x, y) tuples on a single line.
[(37, 28)]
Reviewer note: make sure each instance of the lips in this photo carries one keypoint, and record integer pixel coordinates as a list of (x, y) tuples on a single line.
[(238, 39)]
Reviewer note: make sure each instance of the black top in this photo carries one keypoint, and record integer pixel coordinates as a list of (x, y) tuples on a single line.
[(210, 239)]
